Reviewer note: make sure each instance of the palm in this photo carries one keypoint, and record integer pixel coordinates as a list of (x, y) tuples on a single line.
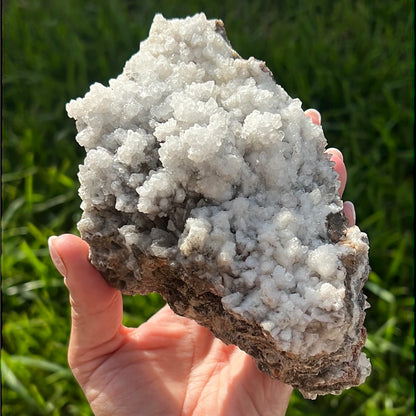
[(177, 368)]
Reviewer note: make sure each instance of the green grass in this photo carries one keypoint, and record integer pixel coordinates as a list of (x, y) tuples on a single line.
[(352, 60)]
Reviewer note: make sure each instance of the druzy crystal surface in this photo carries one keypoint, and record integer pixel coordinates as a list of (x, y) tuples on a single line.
[(205, 181)]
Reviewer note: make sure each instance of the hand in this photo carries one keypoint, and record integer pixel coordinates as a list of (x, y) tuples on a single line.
[(169, 365), (337, 158)]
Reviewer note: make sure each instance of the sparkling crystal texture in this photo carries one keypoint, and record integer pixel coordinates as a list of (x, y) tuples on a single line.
[(205, 181)]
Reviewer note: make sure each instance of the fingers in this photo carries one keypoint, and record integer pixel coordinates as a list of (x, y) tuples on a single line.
[(336, 155), (338, 159), (96, 308)]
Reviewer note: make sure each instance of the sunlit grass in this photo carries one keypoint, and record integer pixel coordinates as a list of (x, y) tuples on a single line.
[(350, 59)]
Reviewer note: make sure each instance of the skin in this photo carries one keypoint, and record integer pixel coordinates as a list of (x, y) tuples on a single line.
[(169, 365)]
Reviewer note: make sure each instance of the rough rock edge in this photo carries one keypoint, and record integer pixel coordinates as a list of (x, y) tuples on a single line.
[(190, 295)]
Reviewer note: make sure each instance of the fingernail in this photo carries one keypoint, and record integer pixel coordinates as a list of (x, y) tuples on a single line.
[(350, 209), (56, 258)]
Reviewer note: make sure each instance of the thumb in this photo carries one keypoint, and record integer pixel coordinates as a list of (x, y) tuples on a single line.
[(96, 308)]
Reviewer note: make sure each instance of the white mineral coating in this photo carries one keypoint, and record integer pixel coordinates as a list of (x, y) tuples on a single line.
[(197, 156)]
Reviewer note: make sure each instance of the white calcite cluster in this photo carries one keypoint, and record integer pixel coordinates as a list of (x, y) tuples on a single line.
[(197, 157)]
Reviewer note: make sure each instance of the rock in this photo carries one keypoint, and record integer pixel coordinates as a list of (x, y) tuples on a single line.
[(205, 182)]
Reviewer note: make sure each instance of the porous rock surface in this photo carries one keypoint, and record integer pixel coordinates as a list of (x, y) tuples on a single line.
[(205, 182)]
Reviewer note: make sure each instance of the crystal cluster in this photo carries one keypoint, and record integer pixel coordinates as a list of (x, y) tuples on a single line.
[(204, 181)]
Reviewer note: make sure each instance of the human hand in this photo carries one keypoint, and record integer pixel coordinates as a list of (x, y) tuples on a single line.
[(169, 365), (338, 159)]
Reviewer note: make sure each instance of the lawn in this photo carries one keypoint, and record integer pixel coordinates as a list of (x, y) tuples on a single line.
[(352, 60)]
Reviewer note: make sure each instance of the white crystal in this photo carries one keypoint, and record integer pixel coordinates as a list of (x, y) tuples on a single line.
[(193, 133)]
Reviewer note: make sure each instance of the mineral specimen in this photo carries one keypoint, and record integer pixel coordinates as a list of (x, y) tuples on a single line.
[(204, 181)]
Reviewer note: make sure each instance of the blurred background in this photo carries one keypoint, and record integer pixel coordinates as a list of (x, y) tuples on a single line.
[(352, 60)]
